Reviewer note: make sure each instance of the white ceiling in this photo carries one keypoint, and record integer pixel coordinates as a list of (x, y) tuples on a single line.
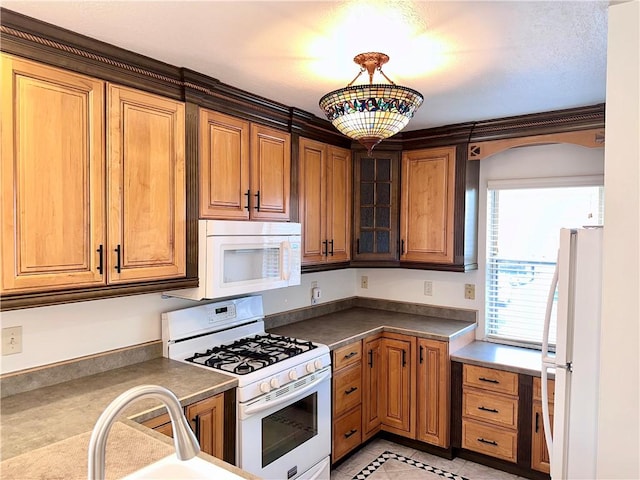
[(471, 60)]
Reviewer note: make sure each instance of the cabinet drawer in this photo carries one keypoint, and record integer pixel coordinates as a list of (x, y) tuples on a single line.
[(496, 409), (490, 379), (347, 355), (537, 389), (347, 389), (347, 433), (493, 441)]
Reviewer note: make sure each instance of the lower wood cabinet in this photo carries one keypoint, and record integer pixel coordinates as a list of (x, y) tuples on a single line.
[(397, 386), (371, 384), (490, 412), (539, 453), (207, 420), (433, 392), (347, 399)]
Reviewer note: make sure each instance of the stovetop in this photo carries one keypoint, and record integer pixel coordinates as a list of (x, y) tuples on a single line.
[(250, 354)]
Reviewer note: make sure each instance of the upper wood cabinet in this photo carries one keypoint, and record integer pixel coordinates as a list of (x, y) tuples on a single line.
[(426, 218), (53, 191), (324, 202), (74, 214), (376, 207), (245, 169), (439, 209), (146, 197)]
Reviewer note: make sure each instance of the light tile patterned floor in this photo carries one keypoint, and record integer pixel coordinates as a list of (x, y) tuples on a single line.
[(395, 470)]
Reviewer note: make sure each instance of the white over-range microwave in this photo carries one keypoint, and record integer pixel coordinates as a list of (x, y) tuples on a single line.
[(240, 257)]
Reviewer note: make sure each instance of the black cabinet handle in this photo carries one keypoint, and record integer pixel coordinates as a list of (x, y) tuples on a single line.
[(404, 358), (118, 251), (351, 355), (489, 442), (257, 195), (371, 358), (326, 248), (350, 391), (401, 247), (100, 259), (248, 195), (350, 432), (421, 354), (357, 245), (537, 421), (489, 380), (331, 253), (485, 409)]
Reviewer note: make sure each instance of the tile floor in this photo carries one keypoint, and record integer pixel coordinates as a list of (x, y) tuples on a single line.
[(362, 458)]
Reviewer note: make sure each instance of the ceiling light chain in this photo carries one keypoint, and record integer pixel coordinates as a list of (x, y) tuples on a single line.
[(370, 113)]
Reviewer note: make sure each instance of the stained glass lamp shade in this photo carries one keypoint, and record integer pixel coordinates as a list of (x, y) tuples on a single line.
[(370, 113)]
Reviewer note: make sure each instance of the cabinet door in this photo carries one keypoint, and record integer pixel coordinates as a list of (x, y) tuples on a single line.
[(339, 204), (207, 420), (52, 190), (539, 453), (396, 384), (426, 218), (312, 200), (224, 166), (375, 200), (147, 202), (433, 392), (371, 367), (270, 173)]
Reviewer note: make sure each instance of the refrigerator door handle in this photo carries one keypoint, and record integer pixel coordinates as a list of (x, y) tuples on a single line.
[(548, 361)]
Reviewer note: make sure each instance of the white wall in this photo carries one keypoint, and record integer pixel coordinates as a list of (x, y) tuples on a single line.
[(619, 409), (448, 287), (62, 332)]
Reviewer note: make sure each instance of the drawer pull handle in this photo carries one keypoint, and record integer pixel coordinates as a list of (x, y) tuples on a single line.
[(350, 432), (490, 380), (490, 442), (350, 391), (371, 358), (485, 409), (352, 354)]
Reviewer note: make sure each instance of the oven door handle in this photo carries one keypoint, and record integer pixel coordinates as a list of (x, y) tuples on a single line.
[(267, 405)]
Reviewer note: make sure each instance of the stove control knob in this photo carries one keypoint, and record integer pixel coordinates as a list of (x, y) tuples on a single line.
[(275, 383), (310, 368), (318, 364), (265, 387), (293, 375)]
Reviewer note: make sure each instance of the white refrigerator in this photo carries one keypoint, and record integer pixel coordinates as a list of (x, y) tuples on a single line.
[(572, 442)]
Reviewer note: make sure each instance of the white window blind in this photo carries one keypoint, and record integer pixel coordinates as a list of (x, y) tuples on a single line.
[(524, 218)]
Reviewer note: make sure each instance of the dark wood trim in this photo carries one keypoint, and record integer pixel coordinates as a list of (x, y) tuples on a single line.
[(229, 454), (456, 404), (192, 187), (417, 444), (437, 137), (471, 210), (310, 126), (40, 299), (498, 464), (323, 267), (525, 405)]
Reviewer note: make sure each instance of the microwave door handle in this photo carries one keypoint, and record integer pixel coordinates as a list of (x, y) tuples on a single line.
[(285, 247)]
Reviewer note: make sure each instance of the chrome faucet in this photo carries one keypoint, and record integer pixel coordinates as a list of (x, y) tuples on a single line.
[(183, 438)]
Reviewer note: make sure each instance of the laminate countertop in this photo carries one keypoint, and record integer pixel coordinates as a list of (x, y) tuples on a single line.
[(346, 326), (44, 432), (501, 357)]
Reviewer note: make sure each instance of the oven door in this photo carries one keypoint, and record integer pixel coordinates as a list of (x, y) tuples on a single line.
[(286, 440)]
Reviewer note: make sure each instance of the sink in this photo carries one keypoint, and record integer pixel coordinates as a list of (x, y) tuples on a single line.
[(171, 468)]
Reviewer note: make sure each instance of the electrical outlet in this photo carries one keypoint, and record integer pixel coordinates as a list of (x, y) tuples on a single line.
[(470, 291), (11, 340), (315, 295), (364, 281), (428, 288)]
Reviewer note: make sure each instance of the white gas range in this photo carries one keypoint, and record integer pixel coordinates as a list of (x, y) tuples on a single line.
[(284, 390)]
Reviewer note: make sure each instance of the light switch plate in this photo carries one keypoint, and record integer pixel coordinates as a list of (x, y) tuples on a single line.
[(11, 340)]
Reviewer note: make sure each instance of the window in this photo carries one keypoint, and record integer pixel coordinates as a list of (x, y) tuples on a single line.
[(524, 218)]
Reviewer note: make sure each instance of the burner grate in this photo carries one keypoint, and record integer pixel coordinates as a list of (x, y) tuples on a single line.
[(252, 353)]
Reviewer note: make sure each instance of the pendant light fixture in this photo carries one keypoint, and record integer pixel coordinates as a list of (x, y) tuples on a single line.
[(369, 113)]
